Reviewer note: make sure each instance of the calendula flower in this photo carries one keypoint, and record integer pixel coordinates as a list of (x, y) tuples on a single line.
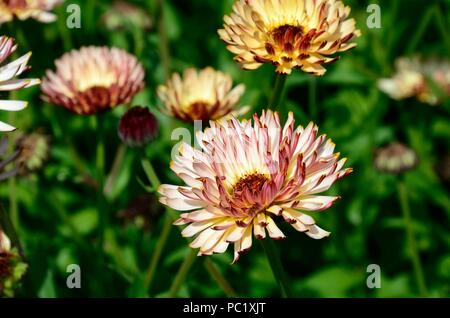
[(138, 126), (201, 95), (25, 9), (246, 175), (414, 77), (395, 158), (93, 79), (11, 266), (7, 80), (289, 34)]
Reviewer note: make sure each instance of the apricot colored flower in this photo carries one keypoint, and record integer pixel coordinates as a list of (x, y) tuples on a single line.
[(246, 175), (93, 79), (289, 34), (26, 9), (201, 95), (413, 78)]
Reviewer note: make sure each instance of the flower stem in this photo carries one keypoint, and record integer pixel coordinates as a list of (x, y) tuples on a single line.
[(277, 267), (163, 42), (100, 167), (221, 281), (150, 172), (150, 275), (167, 226), (182, 273), (115, 170), (412, 247), (275, 99)]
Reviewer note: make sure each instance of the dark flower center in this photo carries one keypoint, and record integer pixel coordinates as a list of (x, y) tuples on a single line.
[(200, 110), (253, 183), (285, 36)]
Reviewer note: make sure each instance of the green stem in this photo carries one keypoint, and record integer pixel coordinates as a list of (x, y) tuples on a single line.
[(182, 273), (150, 172), (221, 281), (411, 241), (100, 167), (150, 275), (312, 87), (163, 42), (277, 267), (275, 99), (90, 17), (115, 170), (167, 226), (63, 29), (420, 31), (443, 27)]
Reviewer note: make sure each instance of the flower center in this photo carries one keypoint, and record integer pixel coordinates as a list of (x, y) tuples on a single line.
[(94, 78), (253, 183), (199, 110), (285, 37)]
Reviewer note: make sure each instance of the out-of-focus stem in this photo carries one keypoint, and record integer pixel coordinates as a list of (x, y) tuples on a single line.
[(100, 173), (411, 241), (112, 177), (154, 180), (277, 267), (277, 92), (163, 42), (182, 273), (217, 276)]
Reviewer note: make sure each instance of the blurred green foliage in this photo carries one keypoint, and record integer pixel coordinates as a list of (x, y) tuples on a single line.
[(57, 218)]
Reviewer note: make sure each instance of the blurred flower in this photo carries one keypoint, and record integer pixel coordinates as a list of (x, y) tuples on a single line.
[(25, 9), (201, 95), (248, 174), (289, 34), (144, 211), (138, 127), (7, 160), (11, 266), (93, 79), (413, 78), (7, 80), (34, 150), (123, 15), (395, 158)]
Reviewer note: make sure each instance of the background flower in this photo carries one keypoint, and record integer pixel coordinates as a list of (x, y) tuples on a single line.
[(93, 79), (289, 34), (201, 95), (25, 9), (415, 77)]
